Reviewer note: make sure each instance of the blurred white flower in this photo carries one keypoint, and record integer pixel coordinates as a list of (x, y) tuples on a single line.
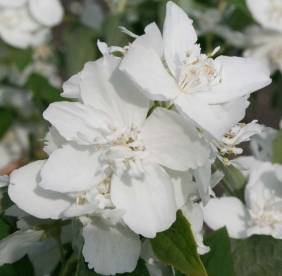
[(27, 23), (30, 239), (262, 212), (265, 42), (210, 22), (13, 146), (203, 89)]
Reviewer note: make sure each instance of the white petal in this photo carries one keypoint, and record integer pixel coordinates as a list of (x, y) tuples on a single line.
[(74, 119), (15, 246), (229, 212), (48, 13), (212, 118), (151, 40), (149, 202), (194, 214), (266, 13), (181, 153), (110, 250), (71, 169), (76, 210), (263, 185), (146, 70), (179, 36), (184, 187), (30, 197), (249, 162), (240, 77), (203, 179), (71, 88), (16, 38), (15, 3), (216, 178), (244, 134), (53, 140), (104, 87)]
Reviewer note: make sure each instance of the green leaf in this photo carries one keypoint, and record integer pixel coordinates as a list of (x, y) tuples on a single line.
[(5, 228), (44, 93), (7, 119), (258, 256), (277, 149), (77, 238), (5, 203), (80, 47), (220, 256), (233, 181), (20, 57), (177, 247)]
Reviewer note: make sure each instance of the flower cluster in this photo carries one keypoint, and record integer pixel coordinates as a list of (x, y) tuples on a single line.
[(138, 140), (261, 211), (25, 23), (265, 42)]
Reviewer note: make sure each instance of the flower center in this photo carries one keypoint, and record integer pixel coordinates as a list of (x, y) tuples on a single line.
[(127, 151), (265, 215), (198, 72)]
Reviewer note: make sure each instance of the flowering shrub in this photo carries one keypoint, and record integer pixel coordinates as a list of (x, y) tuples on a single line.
[(138, 128)]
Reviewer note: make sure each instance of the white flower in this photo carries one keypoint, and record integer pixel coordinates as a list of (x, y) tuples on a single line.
[(110, 132), (261, 144), (268, 13), (106, 237), (210, 21), (41, 63), (109, 158), (27, 23), (265, 44), (262, 213), (13, 145), (203, 89), (29, 239)]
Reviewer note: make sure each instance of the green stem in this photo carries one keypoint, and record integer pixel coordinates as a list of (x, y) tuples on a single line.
[(61, 249), (121, 6), (222, 7), (72, 261)]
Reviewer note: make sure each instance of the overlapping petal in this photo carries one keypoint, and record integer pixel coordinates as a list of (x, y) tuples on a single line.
[(48, 13), (229, 212), (239, 77), (30, 197), (146, 70), (77, 122), (110, 250), (149, 202), (173, 141), (179, 37), (72, 168), (105, 88)]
